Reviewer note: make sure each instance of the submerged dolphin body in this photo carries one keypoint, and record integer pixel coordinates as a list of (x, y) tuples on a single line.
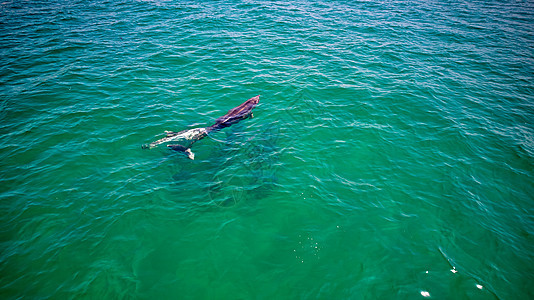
[(188, 137)]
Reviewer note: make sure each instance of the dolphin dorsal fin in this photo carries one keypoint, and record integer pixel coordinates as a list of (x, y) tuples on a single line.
[(170, 133)]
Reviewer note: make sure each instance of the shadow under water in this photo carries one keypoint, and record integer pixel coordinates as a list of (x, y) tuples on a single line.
[(246, 168), (240, 167)]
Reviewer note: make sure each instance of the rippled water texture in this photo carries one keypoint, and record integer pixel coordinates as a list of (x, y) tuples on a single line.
[(391, 155)]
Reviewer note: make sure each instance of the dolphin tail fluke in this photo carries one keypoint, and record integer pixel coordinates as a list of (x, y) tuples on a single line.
[(190, 154), (183, 149), (148, 146)]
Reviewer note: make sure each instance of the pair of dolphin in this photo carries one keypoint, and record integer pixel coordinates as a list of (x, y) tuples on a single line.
[(190, 136)]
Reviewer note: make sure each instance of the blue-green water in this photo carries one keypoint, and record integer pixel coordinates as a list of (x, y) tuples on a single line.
[(391, 155)]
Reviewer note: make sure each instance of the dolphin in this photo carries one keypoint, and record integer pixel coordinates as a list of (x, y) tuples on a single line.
[(187, 138), (236, 114)]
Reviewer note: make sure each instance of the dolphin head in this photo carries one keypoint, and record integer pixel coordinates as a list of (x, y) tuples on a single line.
[(250, 104), (255, 100)]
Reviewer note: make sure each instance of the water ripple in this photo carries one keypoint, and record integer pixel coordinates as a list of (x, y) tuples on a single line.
[(391, 138)]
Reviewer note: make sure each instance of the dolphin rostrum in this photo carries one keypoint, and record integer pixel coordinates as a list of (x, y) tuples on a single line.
[(188, 137)]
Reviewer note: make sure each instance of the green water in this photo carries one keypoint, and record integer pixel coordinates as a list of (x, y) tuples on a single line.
[(391, 155)]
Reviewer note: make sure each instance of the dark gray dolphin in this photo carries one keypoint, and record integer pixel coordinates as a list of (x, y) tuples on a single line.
[(236, 114), (188, 137)]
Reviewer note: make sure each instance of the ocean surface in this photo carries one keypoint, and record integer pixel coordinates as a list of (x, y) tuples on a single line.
[(391, 155)]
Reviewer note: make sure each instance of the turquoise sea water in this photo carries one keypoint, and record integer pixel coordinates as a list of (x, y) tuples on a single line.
[(391, 155)]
